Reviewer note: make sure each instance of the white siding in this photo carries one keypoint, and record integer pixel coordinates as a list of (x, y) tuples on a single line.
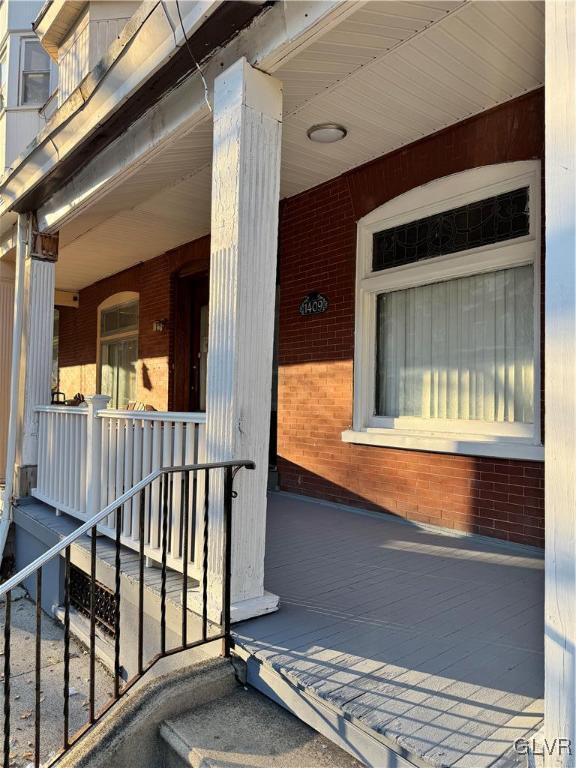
[(22, 125), (73, 59), (85, 46)]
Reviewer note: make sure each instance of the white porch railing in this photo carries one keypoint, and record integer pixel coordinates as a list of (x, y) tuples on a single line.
[(63, 455), (88, 458)]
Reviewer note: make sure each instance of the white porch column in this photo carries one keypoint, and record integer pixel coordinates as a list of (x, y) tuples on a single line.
[(560, 612), (7, 276), (35, 361), (245, 197)]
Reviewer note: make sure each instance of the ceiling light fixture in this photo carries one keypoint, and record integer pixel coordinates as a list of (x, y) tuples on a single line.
[(326, 133)]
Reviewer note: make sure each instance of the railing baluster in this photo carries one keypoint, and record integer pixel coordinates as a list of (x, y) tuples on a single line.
[(117, 606), (169, 496), (164, 555), (38, 667), (92, 624), (227, 559), (66, 648), (205, 557), (7, 627), (184, 501), (193, 522), (141, 585)]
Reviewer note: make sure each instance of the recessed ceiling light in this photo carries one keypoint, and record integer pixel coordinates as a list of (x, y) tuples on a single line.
[(326, 133)]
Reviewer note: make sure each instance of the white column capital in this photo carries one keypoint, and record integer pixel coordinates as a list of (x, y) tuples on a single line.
[(241, 85)]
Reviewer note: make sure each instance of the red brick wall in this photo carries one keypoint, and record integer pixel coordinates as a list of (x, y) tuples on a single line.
[(318, 252), (78, 327)]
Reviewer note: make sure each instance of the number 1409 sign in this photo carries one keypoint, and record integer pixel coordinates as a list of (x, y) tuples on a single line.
[(313, 304)]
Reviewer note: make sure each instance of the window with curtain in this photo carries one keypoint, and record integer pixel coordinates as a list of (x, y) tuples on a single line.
[(459, 349), (447, 322), (119, 353)]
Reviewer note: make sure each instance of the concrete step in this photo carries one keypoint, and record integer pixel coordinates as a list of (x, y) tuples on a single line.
[(247, 730), (128, 735)]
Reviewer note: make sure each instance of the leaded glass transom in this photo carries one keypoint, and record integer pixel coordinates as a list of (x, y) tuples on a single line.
[(498, 218)]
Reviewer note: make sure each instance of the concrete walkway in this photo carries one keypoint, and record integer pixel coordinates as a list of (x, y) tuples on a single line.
[(22, 682)]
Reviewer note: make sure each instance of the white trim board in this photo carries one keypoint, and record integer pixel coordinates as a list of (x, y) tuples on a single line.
[(474, 446)]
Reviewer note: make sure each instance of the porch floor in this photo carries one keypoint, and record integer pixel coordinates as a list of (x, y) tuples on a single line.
[(434, 642)]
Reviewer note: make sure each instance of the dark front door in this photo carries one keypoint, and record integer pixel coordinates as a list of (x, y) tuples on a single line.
[(191, 343)]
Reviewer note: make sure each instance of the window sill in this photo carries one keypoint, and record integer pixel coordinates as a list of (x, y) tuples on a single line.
[(463, 445)]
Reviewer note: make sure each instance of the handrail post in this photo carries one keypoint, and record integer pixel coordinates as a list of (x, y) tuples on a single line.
[(227, 575), (94, 452)]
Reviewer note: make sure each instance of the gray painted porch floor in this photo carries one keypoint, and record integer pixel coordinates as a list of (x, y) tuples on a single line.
[(435, 642)]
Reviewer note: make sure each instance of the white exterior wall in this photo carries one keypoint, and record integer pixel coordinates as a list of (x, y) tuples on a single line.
[(18, 124), (73, 59), (21, 14)]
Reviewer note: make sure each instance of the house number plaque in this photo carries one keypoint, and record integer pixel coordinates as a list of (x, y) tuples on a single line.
[(313, 304)]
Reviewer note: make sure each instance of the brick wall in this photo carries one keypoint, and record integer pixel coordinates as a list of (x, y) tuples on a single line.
[(318, 252), (154, 281)]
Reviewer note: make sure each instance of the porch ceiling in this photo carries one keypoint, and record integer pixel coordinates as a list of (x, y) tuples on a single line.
[(391, 73)]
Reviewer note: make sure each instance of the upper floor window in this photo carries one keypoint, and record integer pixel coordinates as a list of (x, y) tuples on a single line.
[(34, 73), (447, 324)]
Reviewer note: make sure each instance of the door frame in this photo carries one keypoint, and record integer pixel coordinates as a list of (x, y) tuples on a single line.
[(184, 341)]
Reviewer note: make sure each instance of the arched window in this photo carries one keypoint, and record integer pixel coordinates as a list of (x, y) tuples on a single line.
[(448, 316), (118, 347)]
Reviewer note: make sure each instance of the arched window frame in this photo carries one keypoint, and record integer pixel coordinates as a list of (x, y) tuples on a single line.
[(504, 440)]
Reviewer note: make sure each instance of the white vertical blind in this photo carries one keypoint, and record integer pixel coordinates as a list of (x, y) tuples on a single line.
[(460, 349)]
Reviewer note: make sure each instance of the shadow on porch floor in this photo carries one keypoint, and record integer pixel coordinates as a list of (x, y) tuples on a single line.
[(434, 642)]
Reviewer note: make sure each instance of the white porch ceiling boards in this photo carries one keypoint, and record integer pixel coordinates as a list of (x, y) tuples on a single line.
[(480, 55), (174, 215), (376, 28), (392, 72), (164, 204)]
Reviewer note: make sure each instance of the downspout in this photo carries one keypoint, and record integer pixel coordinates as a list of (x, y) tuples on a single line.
[(22, 235)]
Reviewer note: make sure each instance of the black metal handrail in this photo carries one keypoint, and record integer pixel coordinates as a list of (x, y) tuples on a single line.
[(166, 477)]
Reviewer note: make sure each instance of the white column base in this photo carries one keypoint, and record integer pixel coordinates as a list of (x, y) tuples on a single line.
[(254, 606), (240, 610)]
